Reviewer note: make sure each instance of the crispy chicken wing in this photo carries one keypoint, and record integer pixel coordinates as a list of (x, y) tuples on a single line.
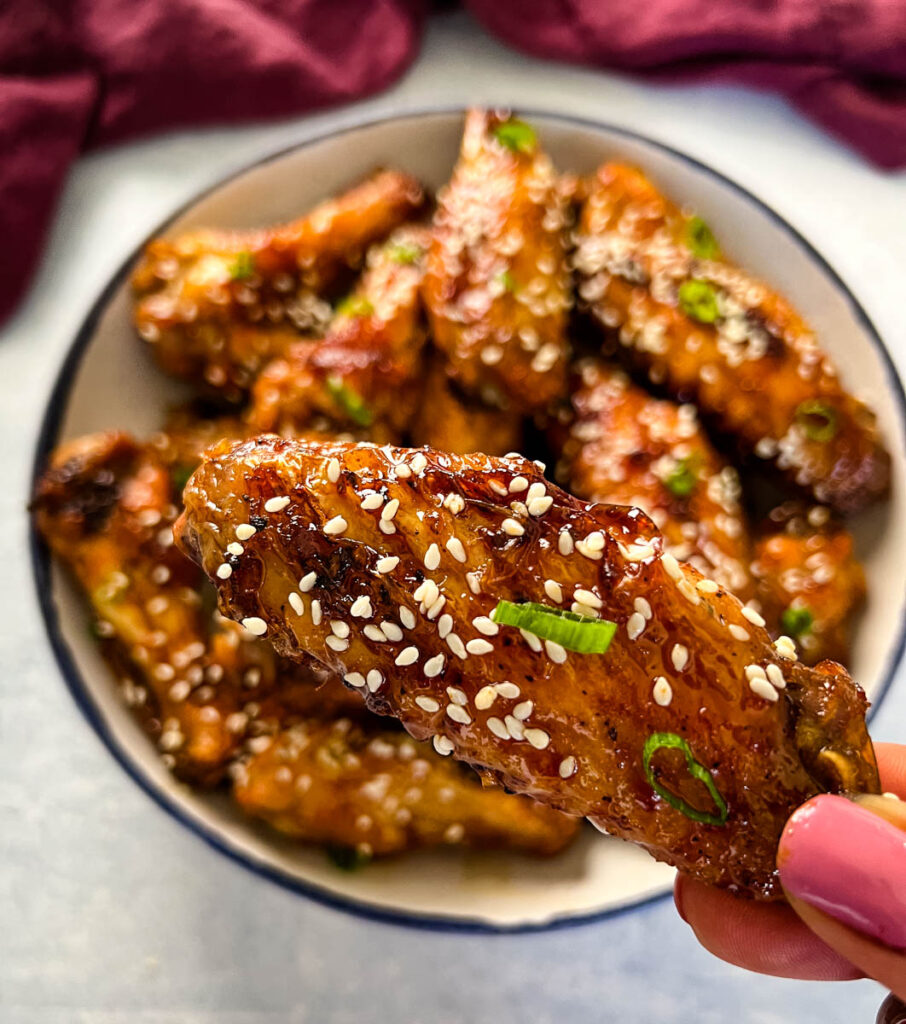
[(624, 447), (714, 335), (360, 786), (362, 378), (809, 582), (690, 733), (496, 286), (217, 305)]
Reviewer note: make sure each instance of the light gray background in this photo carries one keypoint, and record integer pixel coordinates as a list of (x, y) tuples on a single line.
[(109, 910)]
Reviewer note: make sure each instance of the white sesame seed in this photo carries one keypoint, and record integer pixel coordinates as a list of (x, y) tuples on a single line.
[(642, 606), (555, 652), (565, 543), (754, 672), (497, 487), (514, 727), (517, 484), (459, 714), (584, 609), (785, 647), (434, 666), (454, 546), (355, 679), (407, 617), (752, 616), (340, 629), (403, 471), (336, 644), (671, 566), (679, 656), (235, 548), (418, 463), (391, 630), (776, 676), (512, 528), (636, 552), (538, 738), (635, 625), (374, 680), (236, 722), (523, 710), (374, 633), (296, 603), (443, 745), (387, 564), (244, 531), (662, 692), (588, 598), (255, 625), (427, 704), (407, 656), (333, 470), (361, 607), (738, 632), (553, 590), (179, 691), (455, 503), (531, 639), (595, 541), (485, 625), (457, 646), (276, 504), (307, 582), (538, 506), (334, 527), (707, 587), (567, 767), (762, 688), (224, 571), (432, 558), (498, 728), (372, 501), (316, 612), (479, 646), (508, 690), (457, 696), (436, 608), (390, 509), (485, 698), (474, 581)]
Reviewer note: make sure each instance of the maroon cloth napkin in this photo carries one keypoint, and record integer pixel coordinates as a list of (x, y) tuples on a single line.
[(79, 73)]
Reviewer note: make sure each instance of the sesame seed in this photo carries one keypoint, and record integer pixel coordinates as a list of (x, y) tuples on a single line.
[(334, 527), (436, 608), (555, 652), (407, 656), (538, 506), (752, 616), (514, 727), (316, 612), (636, 552), (434, 666), (276, 504), (509, 690), (785, 647), (776, 677), (588, 598), (474, 581), (374, 633), (333, 470), (584, 609), (361, 607), (738, 632), (567, 767), (754, 672), (485, 625), (707, 587), (374, 680), (635, 625), (457, 646), (454, 833), (224, 571), (355, 679), (244, 531), (523, 710), (459, 714), (340, 629), (427, 704), (679, 656), (497, 487), (255, 625), (538, 738), (762, 688), (553, 590), (336, 644), (236, 722), (455, 503), (565, 543), (403, 471), (517, 484), (372, 501), (179, 691), (457, 696), (587, 552), (595, 541), (307, 582), (387, 564), (234, 548), (407, 617), (391, 630), (671, 566), (512, 528), (432, 558), (390, 509), (532, 640), (485, 698), (642, 606), (418, 463), (662, 692), (497, 727), (443, 745), (296, 603), (454, 546), (479, 646)]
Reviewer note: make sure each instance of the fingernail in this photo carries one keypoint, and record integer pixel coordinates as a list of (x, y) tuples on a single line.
[(849, 863)]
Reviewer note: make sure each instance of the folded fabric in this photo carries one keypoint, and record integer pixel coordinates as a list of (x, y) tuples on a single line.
[(79, 73)]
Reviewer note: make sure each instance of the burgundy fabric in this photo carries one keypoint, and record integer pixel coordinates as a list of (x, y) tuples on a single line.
[(78, 73)]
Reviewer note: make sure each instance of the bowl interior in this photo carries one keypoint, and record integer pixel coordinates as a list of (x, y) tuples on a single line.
[(111, 382)]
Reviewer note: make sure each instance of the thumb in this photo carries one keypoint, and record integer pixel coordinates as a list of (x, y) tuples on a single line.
[(843, 867)]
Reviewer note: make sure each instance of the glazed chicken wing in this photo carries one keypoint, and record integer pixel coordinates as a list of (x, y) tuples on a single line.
[(624, 447), (680, 726), (363, 377), (714, 335), (217, 305), (809, 583), (496, 286)]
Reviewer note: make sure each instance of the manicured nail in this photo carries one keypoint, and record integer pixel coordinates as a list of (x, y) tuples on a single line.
[(849, 863)]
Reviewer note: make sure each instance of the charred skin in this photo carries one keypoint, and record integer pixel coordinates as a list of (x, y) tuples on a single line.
[(217, 305), (747, 359), (578, 745), (804, 561), (497, 285), (363, 377), (453, 421), (360, 785), (624, 447)]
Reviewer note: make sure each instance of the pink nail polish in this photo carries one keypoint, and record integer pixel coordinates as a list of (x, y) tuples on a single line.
[(849, 863)]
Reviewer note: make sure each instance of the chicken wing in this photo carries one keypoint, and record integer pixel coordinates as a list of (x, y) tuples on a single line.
[(363, 377), (714, 335), (217, 305), (663, 712), (624, 447), (497, 285), (809, 582)]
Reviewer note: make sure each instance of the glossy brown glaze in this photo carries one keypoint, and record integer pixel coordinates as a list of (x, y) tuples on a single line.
[(746, 358), (398, 597), (622, 446), (217, 305), (497, 285), (806, 573)]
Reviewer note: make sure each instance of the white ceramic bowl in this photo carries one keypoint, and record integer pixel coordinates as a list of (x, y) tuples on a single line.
[(108, 380)]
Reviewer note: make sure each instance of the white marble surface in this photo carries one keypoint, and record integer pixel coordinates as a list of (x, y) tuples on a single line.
[(109, 910)]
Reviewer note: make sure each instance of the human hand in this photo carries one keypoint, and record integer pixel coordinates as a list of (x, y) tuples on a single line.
[(843, 866)]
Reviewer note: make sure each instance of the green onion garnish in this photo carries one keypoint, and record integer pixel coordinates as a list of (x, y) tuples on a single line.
[(347, 858), (656, 741), (818, 419), (354, 305), (405, 252), (507, 280), (700, 240), (180, 477), (349, 400), (698, 300), (516, 135), (574, 632), (796, 620), (243, 266), (681, 480)]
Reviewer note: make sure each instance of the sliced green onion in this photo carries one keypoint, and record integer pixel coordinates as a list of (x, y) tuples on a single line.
[(243, 266), (700, 240), (354, 305), (796, 620), (350, 401), (818, 419), (405, 252), (507, 280), (682, 479), (658, 740), (516, 135), (574, 632), (180, 477), (347, 858), (699, 300)]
